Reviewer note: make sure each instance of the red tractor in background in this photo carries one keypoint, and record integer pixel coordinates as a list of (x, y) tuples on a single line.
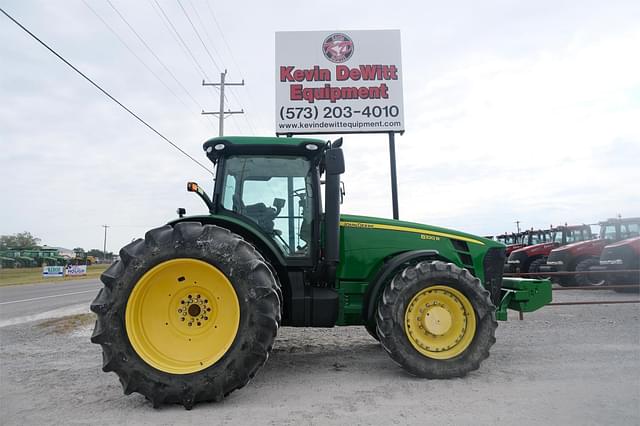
[(530, 258), (526, 239), (512, 241), (621, 256), (581, 256)]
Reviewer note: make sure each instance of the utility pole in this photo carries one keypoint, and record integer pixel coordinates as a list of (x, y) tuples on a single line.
[(104, 247), (222, 113)]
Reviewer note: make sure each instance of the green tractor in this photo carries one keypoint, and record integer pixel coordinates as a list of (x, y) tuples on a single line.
[(190, 312)]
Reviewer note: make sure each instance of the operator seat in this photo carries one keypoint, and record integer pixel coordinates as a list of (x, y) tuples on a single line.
[(264, 216)]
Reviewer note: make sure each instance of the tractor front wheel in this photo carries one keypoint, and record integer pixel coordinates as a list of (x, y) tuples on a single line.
[(188, 314), (586, 279), (436, 320), (535, 267)]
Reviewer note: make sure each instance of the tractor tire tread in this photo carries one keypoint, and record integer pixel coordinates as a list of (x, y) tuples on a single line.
[(250, 275), (391, 311), (586, 279)]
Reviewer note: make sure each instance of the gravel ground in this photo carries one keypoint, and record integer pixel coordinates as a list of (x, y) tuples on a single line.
[(561, 365)]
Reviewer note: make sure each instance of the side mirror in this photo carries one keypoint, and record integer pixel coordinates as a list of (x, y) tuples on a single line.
[(181, 211), (334, 161), (278, 203), (194, 187)]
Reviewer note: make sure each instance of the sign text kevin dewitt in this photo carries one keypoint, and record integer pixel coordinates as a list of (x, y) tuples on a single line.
[(338, 82)]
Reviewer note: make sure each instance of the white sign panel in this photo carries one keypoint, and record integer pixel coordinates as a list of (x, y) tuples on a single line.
[(53, 271), (76, 270), (338, 82)]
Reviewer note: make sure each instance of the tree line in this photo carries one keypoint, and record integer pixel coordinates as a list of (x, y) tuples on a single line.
[(25, 240)]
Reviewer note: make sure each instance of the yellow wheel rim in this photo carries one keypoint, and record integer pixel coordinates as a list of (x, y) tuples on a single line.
[(440, 322), (182, 316)]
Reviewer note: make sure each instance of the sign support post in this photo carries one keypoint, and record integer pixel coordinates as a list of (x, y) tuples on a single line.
[(394, 178)]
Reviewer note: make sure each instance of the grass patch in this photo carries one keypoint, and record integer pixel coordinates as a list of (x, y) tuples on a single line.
[(13, 276), (66, 324)]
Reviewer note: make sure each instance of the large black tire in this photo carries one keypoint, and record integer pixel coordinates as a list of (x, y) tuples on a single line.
[(566, 280), (535, 267), (372, 330), (631, 279), (586, 279), (259, 313), (391, 319)]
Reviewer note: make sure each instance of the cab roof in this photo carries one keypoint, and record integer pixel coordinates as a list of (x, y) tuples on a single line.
[(260, 145), (263, 140)]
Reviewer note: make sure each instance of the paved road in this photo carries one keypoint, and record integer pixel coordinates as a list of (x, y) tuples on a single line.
[(20, 303)]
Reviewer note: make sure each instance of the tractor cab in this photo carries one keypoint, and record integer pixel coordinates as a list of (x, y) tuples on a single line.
[(617, 229), (270, 189), (274, 189), (274, 192), (533, 237), (563, 235)]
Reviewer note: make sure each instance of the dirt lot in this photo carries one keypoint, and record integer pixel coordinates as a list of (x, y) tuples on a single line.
[(561, 365)]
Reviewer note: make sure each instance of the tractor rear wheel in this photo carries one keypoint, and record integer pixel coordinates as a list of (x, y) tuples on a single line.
[(436, 320), (188, 314), (586, 279)]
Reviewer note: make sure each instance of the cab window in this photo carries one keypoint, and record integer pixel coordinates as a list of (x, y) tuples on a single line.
[(630, 230), (275, 193), (608, 232)]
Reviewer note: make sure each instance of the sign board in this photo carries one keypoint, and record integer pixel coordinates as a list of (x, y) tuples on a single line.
[(338, 82), (76, 270), (53, 271)]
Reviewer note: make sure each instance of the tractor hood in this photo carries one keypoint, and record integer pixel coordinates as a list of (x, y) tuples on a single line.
[(426, 232), (633, 242), (366, 241), (535, 249), (582, 246)]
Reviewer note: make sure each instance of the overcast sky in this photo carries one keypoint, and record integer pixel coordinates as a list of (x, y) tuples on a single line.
[(514, 110)]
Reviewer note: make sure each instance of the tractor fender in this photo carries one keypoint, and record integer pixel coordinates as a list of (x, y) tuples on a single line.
[(385, 273), (266, 247)]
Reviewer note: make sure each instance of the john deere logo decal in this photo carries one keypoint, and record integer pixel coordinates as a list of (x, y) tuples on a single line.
[(338, 47)]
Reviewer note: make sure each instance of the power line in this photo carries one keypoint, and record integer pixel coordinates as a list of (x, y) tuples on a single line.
[(198, 34), (224, 38), (172, 32), (103, 90), (181, 40), (206, 31), (152, 52), (233, 59), (126, 45), (210, 39)]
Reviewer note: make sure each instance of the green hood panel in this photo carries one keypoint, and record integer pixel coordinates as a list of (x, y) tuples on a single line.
[(365, 243), (368, 222)]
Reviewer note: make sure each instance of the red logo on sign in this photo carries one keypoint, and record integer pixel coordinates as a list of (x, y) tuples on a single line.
[(338, 47)]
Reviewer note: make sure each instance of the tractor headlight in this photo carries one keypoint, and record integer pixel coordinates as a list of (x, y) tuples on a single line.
[(556, 262), (611, 262), (517, 262), (219, 146), (311, 147)]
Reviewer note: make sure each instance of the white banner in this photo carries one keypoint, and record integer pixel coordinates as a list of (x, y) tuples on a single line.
[(76, 270), (53, 271), (338, 82)]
